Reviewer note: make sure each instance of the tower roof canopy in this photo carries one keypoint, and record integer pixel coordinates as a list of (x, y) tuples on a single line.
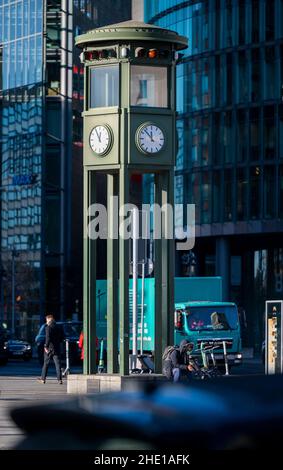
[(131, 31)]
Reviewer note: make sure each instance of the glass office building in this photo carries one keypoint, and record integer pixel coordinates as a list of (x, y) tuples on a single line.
[(41, 99), (230, 159)]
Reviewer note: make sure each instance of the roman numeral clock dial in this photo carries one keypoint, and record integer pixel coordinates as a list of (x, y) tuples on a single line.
[(150, 139), (100, 140)]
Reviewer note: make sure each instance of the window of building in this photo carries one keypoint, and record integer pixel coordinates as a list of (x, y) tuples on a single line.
[(206, 130), (255, 20), (229, 79), (270, 73), (217, 23), (206, 198), (194, 193), (217, 196), (255, 191), (268, 192), (256, 75), (196, 85), (242, 74), (206, 85), (269, 133), (104, 86), (149, 86), (218, 143), (53, 78), (255, 134), (229, 24), (269, 20), (217, 81), (227, 137), (241, 200), (242, 21), (228, 195), (196, 141), (242, 136)]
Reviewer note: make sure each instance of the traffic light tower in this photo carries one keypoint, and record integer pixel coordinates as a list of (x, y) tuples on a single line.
[(129, 127)]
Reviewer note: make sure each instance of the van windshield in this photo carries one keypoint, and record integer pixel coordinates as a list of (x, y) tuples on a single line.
[(212, 318)]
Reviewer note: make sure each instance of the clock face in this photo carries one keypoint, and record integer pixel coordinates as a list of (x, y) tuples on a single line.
[(150, 138), (100, 139)]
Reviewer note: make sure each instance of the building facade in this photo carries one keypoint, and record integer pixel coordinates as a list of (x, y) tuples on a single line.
[(230, 159), (41, 93)]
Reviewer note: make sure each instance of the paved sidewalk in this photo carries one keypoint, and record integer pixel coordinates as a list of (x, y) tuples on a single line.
[(22, 391)]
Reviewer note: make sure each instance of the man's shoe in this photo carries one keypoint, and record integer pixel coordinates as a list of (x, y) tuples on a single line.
[(60, 382), (42, 381)]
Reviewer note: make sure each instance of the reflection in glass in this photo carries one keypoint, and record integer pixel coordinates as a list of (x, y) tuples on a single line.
[(149, 86), (206, 198), (104, 86), (196, 141)]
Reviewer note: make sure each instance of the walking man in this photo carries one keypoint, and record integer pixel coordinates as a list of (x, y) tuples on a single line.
[(53, 338)]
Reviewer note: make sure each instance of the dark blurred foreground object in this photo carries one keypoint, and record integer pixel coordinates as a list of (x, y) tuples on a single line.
[(229, 413)]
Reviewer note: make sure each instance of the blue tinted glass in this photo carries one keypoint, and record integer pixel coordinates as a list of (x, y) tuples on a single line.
[(39, 16), (26, 16), (1, 23), (32, 16), (12, 22), (19, 22), (39, 58), (6, 19)]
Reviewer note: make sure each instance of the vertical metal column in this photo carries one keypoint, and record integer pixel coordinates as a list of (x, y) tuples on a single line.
[(135, 227), (164, 273), (171, 262), (89, 279), (124, 276), (112, 277)]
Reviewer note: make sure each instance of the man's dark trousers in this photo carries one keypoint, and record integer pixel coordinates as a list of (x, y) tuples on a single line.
[(57, 362)]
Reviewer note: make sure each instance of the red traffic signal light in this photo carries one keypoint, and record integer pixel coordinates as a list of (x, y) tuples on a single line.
[(99, 54)]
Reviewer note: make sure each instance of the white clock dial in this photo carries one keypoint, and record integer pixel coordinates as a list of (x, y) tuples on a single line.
[(100, 139), (150, 138)]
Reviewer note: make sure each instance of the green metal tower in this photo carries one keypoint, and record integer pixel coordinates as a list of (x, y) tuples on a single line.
[(129, 127)]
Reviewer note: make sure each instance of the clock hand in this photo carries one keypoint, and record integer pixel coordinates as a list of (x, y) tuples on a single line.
[(98, 135), (149, 135)]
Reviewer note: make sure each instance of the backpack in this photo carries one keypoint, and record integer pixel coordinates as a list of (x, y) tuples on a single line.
[(167, 352)]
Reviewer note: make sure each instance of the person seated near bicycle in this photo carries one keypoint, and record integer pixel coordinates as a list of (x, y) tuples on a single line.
[(175, 365)]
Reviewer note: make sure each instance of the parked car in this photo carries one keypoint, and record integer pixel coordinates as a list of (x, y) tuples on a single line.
[(3, 347), (18, 349), (71, 330)]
